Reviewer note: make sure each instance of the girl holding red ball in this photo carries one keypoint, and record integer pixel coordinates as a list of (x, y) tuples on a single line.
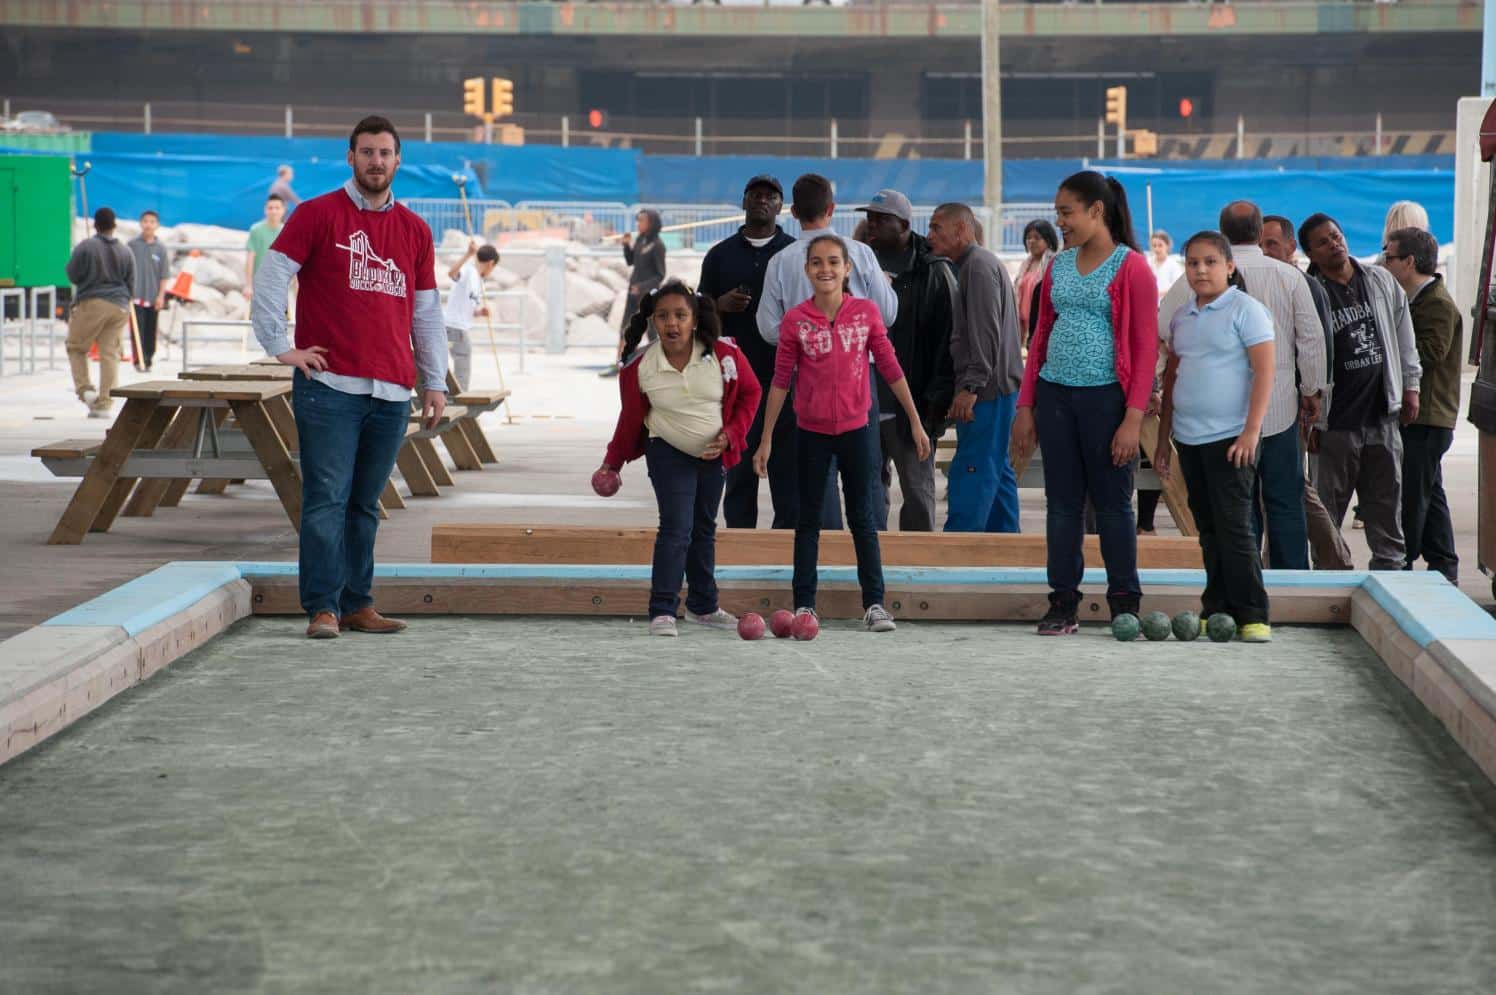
[(688, 401)]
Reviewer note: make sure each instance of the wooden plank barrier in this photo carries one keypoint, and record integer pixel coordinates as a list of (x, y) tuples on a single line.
[(575, 544)]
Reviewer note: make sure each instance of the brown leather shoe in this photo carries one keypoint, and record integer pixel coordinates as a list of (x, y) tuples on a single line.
[(369, 620), (324, 626)]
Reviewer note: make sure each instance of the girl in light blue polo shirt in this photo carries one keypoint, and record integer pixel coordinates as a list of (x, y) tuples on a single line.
[(1217, 385)]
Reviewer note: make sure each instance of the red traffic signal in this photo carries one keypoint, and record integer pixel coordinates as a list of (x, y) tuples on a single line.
[(597, 118), (1186, 107)]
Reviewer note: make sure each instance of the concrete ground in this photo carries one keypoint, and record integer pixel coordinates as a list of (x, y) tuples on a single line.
[(542, 805), (563, 417)]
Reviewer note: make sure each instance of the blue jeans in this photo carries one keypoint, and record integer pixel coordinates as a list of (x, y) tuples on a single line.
[(853, 453), (1075, 426), (688, 490), (1279, 490), (348, 447), (983, 494)]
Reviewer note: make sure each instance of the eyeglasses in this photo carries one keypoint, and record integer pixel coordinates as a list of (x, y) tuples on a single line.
[(1393, 255)]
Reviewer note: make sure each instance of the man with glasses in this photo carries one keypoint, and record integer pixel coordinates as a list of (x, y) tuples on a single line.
[(1411, 255), (1375, 385)]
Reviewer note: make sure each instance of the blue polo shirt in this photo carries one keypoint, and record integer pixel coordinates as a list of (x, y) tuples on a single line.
[(1214, 384)]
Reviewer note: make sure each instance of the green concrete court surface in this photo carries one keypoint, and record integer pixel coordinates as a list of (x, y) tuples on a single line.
[(543, 805)]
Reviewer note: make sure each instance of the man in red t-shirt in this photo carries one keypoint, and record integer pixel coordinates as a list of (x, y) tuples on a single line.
[(368, 331)]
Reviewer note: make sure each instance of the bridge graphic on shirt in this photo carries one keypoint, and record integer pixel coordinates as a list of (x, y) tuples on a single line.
[(367, 270)]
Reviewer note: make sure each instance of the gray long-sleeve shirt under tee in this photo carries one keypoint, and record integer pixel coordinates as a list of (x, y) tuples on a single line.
[(428, 333)]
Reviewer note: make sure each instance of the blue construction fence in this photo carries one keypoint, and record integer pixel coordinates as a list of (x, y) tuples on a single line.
[(222, 179)]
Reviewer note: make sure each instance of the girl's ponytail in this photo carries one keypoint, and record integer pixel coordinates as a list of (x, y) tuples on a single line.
[(638, 324), (1118, 217)]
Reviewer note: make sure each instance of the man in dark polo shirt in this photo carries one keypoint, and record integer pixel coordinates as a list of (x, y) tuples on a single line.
[(733, 275), (1411, 255)]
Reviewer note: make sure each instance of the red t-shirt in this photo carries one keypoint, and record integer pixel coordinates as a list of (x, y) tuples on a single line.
[(360, 271)]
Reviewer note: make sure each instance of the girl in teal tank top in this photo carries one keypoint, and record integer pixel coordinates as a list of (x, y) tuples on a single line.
[(1082, 346)]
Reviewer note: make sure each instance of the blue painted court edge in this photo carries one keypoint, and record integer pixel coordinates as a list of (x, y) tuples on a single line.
[(1425, 606)]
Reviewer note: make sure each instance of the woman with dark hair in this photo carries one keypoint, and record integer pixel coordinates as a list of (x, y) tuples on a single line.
[(1217, 387), (1086, 384), (647, 257), (688, 400), (1041, 243)]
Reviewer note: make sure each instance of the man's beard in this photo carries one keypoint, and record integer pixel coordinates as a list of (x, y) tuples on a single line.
[(374, 183)]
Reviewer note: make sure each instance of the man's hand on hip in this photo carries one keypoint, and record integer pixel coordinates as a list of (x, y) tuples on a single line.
[(307, 361), (433, 403)]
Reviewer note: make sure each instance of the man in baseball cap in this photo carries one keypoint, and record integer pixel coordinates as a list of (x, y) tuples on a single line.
[(926, 288)]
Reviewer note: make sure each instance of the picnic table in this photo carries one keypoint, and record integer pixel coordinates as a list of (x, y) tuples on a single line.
[(147, 443)]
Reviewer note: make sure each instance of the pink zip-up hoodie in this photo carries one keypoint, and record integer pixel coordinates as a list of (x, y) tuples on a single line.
[(831, 391)]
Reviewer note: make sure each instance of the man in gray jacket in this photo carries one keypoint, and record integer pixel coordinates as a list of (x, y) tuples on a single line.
[(102, 272), (1375, 385), (988, 368)]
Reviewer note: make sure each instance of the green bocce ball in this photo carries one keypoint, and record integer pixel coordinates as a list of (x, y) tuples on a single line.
[(1125, 627)]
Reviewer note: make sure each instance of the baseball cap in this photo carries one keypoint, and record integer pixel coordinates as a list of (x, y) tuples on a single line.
[(890, 202), (764, 179)]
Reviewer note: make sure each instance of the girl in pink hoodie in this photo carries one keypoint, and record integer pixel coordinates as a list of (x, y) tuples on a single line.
[(826, 340)]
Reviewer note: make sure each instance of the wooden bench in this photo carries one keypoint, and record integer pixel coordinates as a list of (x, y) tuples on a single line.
[(143, 446), (477, 451), (483, 543), (419, 462)]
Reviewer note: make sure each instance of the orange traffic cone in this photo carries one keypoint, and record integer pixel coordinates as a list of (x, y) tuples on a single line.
[(182, 288)]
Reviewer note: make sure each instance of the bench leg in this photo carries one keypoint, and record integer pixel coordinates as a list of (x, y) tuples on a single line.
[(433, 460), (413, 469), (457, 444), (473, 432), (391, 497), (101, 475), (149, 438), (149, 493), (1176, 496), (175, 491), (284, 476)]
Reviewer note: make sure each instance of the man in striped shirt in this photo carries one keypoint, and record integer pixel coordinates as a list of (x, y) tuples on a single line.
[(1297, 386)]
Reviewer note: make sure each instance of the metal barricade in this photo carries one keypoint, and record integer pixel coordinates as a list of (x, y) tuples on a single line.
[(246, 332), (709, 223), (49, 294), (444, 214), (16, 328), (585, 222)]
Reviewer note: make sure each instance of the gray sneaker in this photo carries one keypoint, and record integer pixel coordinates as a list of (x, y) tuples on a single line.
[(662, 625), (718, 619), (877, 619)]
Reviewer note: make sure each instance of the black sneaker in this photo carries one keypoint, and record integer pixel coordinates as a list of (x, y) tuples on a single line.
[(1125, 604), (1061, 619)]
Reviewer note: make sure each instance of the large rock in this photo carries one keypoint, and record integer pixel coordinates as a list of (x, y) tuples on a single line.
[(209, 272), (590, 330), (585, 297)]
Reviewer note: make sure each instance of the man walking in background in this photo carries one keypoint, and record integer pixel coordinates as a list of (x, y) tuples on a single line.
[(281, 187), (1327, 547), (102, 272), (1376, 386), (261, 234), (152, 267), (732, 274), (986, 356), (368, 297), (1298, 382), (465, 300), (921, 334), (1411, 255)]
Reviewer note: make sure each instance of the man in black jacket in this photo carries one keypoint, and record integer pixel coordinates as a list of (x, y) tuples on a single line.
[(926, 288), (733, 275)]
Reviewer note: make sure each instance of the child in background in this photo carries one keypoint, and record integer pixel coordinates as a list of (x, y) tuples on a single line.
[(1217, 385), (688, 400), (826, 341)]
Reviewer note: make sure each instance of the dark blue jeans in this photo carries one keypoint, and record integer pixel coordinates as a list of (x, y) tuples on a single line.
[(1075, 426), (1279, 490), (348, 447), (1220, 497), (688, 490), (853, 453)]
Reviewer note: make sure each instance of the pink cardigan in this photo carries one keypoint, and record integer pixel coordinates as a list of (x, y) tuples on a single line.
[(1134, 294)]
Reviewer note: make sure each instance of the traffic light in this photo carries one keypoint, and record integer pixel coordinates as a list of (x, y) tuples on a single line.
[(503, 97), (1116, 106), (597, 118), (472, 96), (1186, 107)]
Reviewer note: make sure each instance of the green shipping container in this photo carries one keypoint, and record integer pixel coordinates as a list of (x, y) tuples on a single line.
[(36, 210)]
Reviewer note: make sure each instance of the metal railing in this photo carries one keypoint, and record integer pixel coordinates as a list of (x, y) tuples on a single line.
[(33, 320)]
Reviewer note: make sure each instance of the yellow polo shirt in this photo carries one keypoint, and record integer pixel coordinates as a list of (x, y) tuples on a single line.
[(685, 406)]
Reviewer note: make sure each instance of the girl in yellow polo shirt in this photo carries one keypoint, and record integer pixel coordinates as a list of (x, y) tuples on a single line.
[(688, 400)]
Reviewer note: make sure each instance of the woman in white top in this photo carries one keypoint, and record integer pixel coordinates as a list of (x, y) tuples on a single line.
[(1166, 267)]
